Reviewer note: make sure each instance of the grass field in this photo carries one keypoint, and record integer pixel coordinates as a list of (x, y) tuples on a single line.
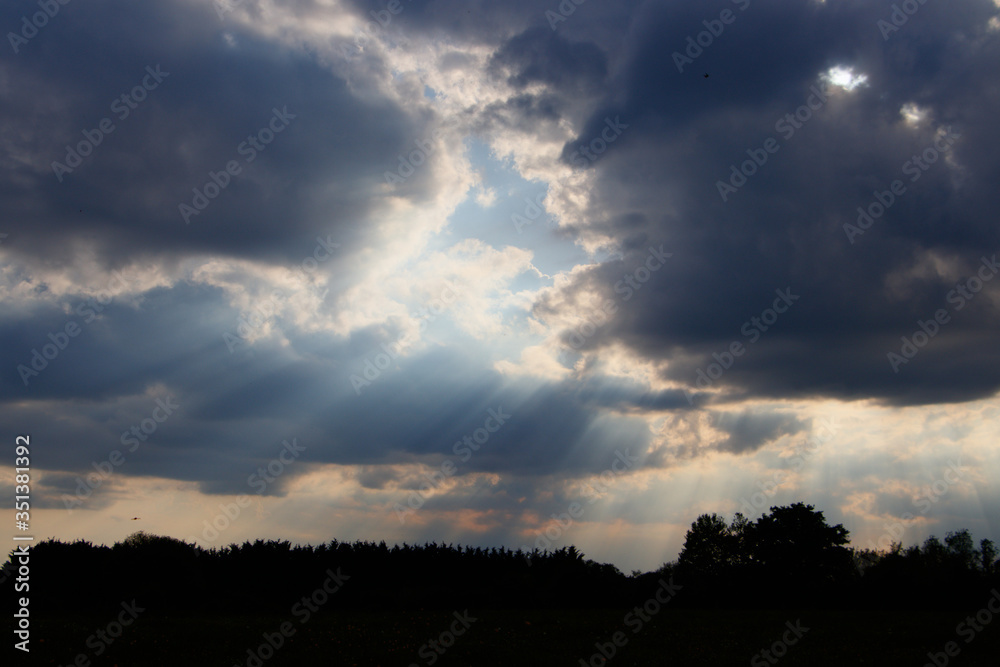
[(672, 637)]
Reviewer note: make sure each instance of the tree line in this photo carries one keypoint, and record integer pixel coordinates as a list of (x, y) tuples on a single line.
[(792, 556), (788, 557)]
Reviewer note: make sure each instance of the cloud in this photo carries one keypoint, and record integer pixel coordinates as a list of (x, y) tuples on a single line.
[(784, 228), (750, 430)]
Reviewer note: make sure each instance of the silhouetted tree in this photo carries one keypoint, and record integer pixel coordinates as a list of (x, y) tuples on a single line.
[(791, 549), (961, 549), (795, 542), (988, 555), (790, 556), (709, 548)]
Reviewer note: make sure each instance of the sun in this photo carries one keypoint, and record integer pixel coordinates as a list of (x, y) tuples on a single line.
[(844, 77)]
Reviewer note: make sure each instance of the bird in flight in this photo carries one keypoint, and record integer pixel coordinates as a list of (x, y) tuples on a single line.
[(135, 518)]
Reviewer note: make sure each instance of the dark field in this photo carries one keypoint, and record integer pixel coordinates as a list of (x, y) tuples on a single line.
[(672, 637)]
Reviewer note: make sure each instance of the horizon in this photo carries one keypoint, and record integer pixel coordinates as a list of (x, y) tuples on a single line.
[(885, 545), (508, 274)]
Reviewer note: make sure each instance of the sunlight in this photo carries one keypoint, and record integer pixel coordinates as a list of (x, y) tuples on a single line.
[(844, 77), (912, 114)]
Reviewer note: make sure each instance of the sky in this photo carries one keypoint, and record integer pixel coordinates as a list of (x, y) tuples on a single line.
[(520, 273)]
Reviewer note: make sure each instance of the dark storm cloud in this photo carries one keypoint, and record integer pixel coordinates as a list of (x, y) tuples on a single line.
[(750, 430), (550, 427), (570, 72), (500, 25), (157, 384), (317, 175), (784, 228), (605, 393), (375, 477), (230, 412), (540, 55), (202, 95), (523, 112), (506, 505), (61, 490)]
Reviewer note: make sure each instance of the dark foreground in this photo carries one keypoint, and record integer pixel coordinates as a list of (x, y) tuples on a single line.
[(672, 637)]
